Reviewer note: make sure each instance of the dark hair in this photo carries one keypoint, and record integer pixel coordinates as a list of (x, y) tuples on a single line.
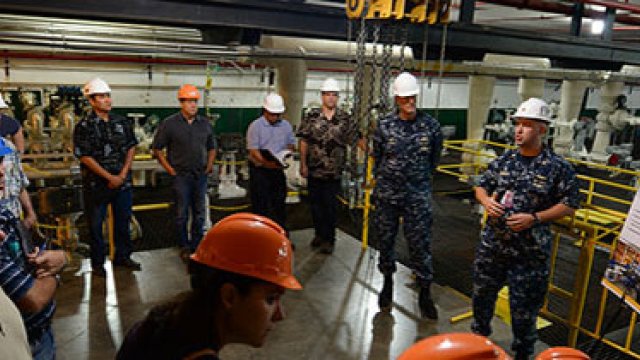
[(209, 280), (185, 324)]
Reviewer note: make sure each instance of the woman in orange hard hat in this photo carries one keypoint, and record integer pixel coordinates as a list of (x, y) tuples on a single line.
[(239, 272), (455, 346)]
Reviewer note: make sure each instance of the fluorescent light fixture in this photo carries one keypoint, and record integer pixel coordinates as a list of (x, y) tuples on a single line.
[(597, 26)]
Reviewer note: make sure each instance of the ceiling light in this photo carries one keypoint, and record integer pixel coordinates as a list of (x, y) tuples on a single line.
[(597, 26)]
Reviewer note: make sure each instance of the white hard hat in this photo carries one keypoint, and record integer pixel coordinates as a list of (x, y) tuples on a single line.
[(535, 109), (330, 85), (405, 85), (3, 105), (96, 86), (274, 104)]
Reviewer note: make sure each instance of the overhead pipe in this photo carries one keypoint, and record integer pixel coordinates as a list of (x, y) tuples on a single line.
[(559, 8), (613, 5)]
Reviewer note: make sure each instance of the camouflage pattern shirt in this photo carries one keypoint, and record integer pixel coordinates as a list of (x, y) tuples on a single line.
[(107, 142), (327, 142), (536, 184), (406, 153)]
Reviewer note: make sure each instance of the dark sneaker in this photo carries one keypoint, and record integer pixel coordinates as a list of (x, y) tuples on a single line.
[(316, 242), (128, 263), (386, 294), (99, 271), (326, 248), (427, 307), (185, 255)]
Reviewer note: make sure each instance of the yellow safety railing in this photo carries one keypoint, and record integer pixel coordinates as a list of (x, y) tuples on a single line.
[(587, 229)]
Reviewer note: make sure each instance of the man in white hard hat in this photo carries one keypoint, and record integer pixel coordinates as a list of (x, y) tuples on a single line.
[(522, 191), (267, 137), (324, 135), (105, 144), (11, 128), (406, 148), (191, 151)]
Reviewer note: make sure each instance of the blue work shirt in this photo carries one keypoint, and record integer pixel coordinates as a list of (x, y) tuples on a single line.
[(275, 138)]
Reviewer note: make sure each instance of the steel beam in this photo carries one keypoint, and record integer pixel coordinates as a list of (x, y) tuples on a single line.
[(467, 10), (288, 17), (576, 19), (476, 39), (303, 19)]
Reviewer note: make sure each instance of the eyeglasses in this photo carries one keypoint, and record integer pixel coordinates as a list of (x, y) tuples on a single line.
[(406, 99)]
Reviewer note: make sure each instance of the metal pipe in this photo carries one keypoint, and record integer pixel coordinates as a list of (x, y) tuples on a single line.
[(559, 8), (613, 5)]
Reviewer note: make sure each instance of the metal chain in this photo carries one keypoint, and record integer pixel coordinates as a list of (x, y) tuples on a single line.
[(385, 70), (359, 75), (349, 59), (443, 47), (425, 43), (404, 33), (371, 110)]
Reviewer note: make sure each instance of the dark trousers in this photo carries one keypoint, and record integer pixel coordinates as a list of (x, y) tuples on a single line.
[(190, 191), (417, 220), (323, 203), (95, 205), (527, 280), (268, 190)]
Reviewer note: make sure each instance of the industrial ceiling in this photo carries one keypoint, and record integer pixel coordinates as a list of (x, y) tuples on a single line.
[(586, 34)]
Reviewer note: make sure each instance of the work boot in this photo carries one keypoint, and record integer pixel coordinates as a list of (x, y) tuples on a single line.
[(327, 248), (386, 294), (128, 263), (427, 308), (316, 242)]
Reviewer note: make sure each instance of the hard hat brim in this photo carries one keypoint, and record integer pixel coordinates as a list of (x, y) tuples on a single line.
[(408, 93), (535, 118), (279, 110)]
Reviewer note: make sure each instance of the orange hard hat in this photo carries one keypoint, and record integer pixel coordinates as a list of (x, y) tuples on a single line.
[(562, 352), (250, 245), (188, 91), (455, 346)]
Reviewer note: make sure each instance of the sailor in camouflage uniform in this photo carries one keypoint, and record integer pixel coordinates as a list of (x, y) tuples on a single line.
[(406, 148), (522, 191), (324, 135), (104, 143)]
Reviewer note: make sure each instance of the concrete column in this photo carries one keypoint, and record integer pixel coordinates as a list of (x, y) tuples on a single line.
[(570, 102), (291, 79), (528, 88), (608, 93), (480, 95)]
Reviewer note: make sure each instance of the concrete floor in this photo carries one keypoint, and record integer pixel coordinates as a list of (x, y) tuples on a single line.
[(335, 316)]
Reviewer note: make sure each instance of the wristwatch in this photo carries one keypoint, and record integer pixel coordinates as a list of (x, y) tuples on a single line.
[(536, 219)]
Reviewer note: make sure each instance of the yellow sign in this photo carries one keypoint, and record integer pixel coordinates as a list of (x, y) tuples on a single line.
[(355, 8), (416, 11)]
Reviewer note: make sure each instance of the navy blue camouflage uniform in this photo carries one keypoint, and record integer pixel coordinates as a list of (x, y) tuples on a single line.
[(519, 259), (406, 154)]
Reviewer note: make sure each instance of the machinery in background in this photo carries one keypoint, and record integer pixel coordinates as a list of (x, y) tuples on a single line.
[(228, 187)]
